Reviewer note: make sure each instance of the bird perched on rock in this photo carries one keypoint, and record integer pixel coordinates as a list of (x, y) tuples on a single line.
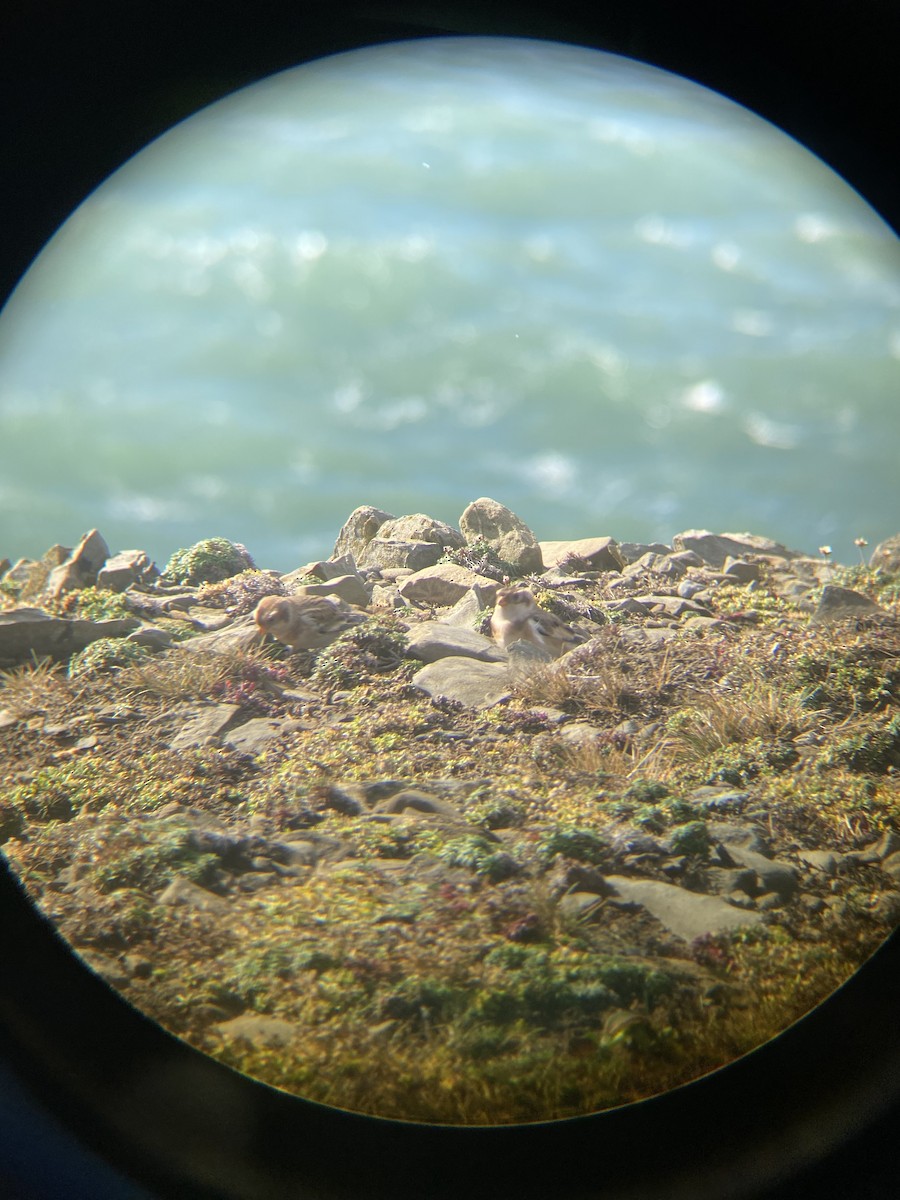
[(517, 617), (304, 622)]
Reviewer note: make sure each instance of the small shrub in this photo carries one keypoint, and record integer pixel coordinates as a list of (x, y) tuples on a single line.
[(106, 654), (581, 844), (208, 561)]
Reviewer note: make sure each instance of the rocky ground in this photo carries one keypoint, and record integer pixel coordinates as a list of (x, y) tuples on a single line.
[(416, 875)]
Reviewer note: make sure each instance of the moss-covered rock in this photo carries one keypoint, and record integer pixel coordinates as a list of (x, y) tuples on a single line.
[(208, 561)]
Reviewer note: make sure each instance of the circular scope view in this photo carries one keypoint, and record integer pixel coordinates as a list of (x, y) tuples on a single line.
[(450, 581)]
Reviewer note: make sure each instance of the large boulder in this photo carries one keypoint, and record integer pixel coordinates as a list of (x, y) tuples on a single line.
[(592, 554), (125, 568), (467, 681), (507, 535), (358, 530), (714, 548), (388, 553), (417, 527), (28, 633), (80, 569), (887, 554), (443, 585)]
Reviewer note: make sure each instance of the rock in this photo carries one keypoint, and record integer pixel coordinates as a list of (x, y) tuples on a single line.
[(126, 568), (593, 554), (203, 724), (80, 569), (386, 596), (891, 866), (468, 610), (154, 639), (358, 530), (183, 891), (420, 528), (443, 585), (887, 845), (722, 881), (465, 680), (714, 548), (507, 535), (686, 914), (660, 564), (838, 602), (886, 554), (632, 551), (239, 635), (720, 799), (525, 658), (253, 736), (432, 640), (583, 907), (740, 570), (581, 733), (420, 802), (27, 633), (298, 854), (257, 1030), (386, 553), (324, 569), (775, 876), (827, 861), (349, 588), (743, 836)]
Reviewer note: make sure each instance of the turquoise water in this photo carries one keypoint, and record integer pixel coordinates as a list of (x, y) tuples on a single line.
[(419, 274)]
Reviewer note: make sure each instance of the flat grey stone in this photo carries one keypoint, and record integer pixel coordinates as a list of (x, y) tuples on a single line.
[(466, 680), (31, 631), (775, 876), (257, 1029), (183, 891), (202, 724), (826, 861), (441, 585), (253, 735), (420, 802), (714, 548), (348, 587), (840, 602), (683, 913), (432, 640)]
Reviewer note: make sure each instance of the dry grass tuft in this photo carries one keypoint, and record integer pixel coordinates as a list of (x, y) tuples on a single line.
[(175, 675), (27, 689)]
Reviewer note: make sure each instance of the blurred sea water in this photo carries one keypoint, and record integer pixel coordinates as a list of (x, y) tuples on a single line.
[(423, 273)]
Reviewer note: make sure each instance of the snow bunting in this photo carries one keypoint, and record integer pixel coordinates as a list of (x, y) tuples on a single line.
[(517, 617), (304, 622)]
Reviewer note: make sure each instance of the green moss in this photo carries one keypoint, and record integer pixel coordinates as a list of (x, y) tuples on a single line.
[(149, 856), (208, 561), (371, 649), (581, 844), (478, 855), (105, 654), (874, 750), (692, 838), (740, 764), (646, 791), (848, 679)]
